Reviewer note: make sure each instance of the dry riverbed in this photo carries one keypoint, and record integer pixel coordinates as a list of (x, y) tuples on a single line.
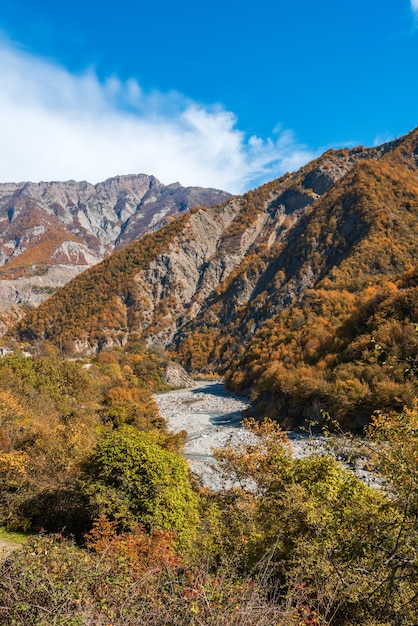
[(212, 418)]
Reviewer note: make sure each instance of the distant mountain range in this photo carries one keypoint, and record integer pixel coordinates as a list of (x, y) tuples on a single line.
[(50, 232), (304, 290)]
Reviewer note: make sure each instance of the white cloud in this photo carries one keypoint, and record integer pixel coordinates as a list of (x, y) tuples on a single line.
[(414, 5), (55, 126)]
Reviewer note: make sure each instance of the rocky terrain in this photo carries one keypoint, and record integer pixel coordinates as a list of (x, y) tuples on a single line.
[(212, 418), (206, 250), (176, 376), (52, 231)]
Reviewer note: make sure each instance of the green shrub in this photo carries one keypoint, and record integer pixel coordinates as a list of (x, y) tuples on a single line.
[(132, 479)]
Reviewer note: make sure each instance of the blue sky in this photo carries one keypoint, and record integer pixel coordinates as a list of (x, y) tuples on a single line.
[(224, 93)]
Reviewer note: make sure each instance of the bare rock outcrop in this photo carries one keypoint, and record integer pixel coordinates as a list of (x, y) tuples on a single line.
[(176, 376), (52, 231)]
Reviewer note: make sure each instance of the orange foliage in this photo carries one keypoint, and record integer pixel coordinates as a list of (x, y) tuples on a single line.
[(142, 551)]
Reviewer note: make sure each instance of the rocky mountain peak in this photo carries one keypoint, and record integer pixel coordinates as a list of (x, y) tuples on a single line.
[(303, 290), (232, 248), (50, 231)]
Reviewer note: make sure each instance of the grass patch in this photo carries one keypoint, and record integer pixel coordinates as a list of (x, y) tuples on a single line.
[(13, 537)]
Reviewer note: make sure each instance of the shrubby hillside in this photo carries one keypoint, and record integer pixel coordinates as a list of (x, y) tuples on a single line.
[(58, 425), (168, 277), (291, 542)]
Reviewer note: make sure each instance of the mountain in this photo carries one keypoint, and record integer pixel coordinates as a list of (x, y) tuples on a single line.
[(302, 291), (50, 232)]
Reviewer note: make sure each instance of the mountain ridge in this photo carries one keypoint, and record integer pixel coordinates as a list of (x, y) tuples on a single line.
[(241, 220), (51, 231)]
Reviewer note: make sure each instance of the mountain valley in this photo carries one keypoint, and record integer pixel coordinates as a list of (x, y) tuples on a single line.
[(303, 296), (292, 290)]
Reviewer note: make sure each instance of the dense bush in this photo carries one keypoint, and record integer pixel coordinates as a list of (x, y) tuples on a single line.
[(129, 580), (318, 528), (293, 542), (132, 479), (51, 414)]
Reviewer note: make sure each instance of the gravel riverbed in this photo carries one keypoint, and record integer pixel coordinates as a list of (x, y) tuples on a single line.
[(212, 418)]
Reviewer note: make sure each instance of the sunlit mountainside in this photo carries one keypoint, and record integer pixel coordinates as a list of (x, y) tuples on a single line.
[(303, 289), (303, 294), (52, 231)]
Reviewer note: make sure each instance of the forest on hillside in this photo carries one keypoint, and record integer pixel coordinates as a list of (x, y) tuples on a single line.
[(346, 342), (119, 532), (315, 318)]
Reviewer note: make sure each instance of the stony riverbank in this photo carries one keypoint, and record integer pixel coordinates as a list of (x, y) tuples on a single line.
[(212, 418)]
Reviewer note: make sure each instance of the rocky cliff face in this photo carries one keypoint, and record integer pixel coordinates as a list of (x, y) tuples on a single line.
[(179, 280), (50, 232), (227, 255)]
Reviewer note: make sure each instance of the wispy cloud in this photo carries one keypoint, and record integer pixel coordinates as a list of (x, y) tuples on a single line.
[(383, 137), (414, 7), (55, 126)]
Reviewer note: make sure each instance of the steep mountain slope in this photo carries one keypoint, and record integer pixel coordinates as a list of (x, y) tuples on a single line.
[(363, 231), (160, 283), (288, 289), (50, 232), (310, 335)]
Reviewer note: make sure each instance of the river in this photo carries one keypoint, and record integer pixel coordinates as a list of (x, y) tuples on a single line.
[(212, 418)]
